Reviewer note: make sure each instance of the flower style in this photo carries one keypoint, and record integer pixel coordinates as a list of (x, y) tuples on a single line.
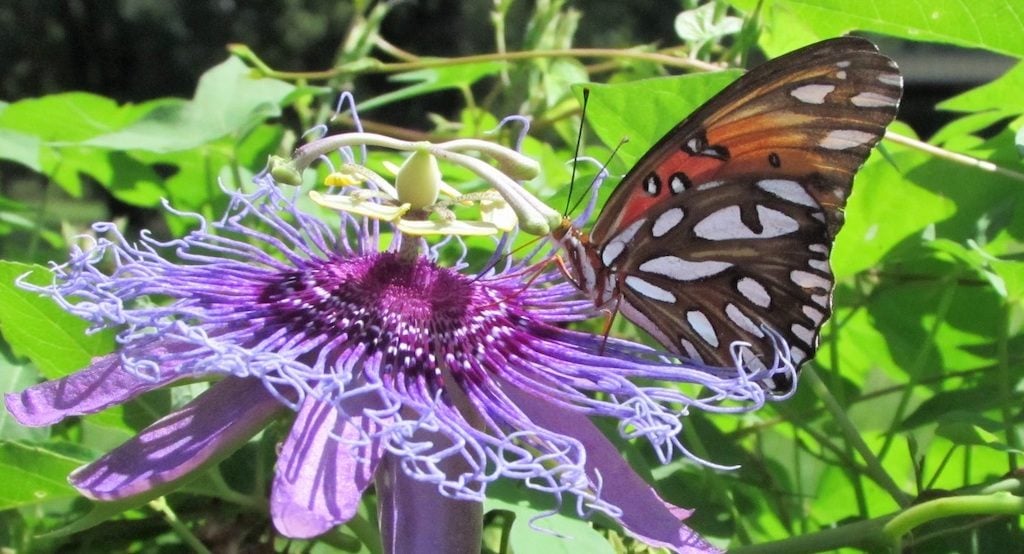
[(429, 381)]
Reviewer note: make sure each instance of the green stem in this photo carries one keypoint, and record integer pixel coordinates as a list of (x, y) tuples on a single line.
[(863, 534), (374, 66), (1002, 503), (872, 465), (160, 505)]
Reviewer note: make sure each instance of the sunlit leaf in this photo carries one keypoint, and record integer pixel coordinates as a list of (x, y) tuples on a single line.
[(227, 101), (38, 329), (34, 474)]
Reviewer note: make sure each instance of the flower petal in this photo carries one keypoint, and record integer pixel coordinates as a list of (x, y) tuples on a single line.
[(101, 385), (644, 514), (319, 479), (416, 519), (204, 431)]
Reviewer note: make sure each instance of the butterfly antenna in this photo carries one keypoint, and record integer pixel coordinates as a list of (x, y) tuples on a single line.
[(579, 140), (604, 166)]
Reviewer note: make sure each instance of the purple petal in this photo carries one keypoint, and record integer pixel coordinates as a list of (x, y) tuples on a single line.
[(644, 514), (101, 385), (319, 479), (415, 518), (204, 431)]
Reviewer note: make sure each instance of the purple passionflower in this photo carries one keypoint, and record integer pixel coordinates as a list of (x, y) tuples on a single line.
[(428, 381)]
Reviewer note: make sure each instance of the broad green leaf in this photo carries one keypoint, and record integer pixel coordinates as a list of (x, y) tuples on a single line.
[(15, 377), (536, 531), (433, 79), (38, 329), (123, 176), (990, 24), (61, 119), (699, 26), (885, 208), (227, 101), (971, 428), (20, 147), (956, 134), (1005, 94), (34, 474)]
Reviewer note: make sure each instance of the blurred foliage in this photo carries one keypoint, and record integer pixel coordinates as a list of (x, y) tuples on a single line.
[(909, 416)]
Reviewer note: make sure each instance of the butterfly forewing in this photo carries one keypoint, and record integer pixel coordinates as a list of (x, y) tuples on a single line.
[(726, 224)]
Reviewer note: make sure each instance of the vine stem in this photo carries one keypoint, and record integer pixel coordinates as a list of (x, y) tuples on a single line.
[(160, 505), (955, 157), (872, 465), (374, 66), (1002, 503)]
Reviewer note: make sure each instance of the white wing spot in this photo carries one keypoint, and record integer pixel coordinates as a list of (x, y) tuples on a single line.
[(775, 223), (797, 355), (844, 63), (893, 79), (841, 139), (873, 100), (677, 184), (617, 244), (754, 292), (702, 326), (690, 350), (790, 191), (813, 314), (803, 333), (710, 185), (611, 252), (666, 222), (809, 280), (683, 270), (742, 321), (820, 216), (726, 224), (820, 299), (750, 360), (819, 248), (651, 184), (820, 265), (841, 75), (812, 94), (649, 290)]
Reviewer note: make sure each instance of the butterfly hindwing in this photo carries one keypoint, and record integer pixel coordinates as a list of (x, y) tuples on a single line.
[(727, 222)]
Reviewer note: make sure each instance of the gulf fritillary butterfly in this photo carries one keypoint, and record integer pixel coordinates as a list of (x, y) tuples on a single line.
[(724, 227)]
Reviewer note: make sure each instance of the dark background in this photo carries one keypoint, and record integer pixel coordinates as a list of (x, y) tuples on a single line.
[(134, 50)]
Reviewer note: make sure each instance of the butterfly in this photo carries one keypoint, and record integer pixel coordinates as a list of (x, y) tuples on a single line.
[(717, 241)]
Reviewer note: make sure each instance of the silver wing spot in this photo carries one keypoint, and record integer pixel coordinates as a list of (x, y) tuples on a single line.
[(649, 290), (812, 94), (683, 270), (754, 292), (702, 326), (666, 221)]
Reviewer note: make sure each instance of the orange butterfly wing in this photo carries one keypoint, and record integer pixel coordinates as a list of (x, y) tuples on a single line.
[(726, 224)]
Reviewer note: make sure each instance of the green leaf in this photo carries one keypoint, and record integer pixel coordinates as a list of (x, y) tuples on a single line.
[(699, 26), (1003, 94), (60, 119), (990, 24), (432, 80), (38, 329), (885, 209), (537, 531), (962, 427), (21, 148), (34, 474), (227, 101), (15, 377)]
